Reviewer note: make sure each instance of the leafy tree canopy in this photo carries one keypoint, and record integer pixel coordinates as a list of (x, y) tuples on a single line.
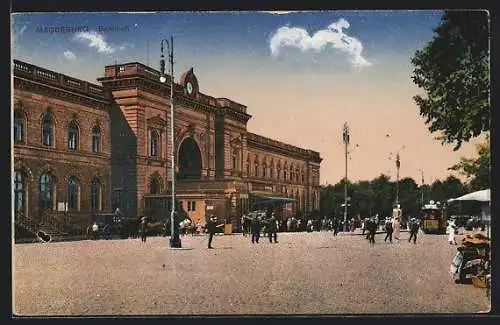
[(477, 170), (453, 70)]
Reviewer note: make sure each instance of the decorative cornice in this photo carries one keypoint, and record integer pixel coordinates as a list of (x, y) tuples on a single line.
[(59, 93)]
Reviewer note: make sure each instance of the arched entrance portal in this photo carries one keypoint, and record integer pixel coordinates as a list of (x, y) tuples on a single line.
[(189, 160)]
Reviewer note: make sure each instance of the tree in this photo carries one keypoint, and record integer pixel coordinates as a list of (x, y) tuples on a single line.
[(453, 187), (453, 70), (477, 170)]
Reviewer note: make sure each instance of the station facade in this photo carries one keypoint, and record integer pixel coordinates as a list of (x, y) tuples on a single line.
[(81, 148)]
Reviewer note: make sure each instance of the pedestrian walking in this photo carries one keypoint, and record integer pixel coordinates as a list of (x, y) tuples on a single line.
[(396, 228), (372, 229), (413, 226), (255, 228), (144, 229), (211, 228), (95, 231), (272, 229), (388, 230), (336, 226), (451, 231)]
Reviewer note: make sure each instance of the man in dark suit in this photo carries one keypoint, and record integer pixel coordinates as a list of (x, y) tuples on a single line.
[(256, 227), (414, 226), (272, 229), (211, 228), (388, 229)]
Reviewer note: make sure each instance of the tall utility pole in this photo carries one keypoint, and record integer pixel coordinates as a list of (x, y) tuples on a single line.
[(398, 164), (422, 188), (345, 136), (175, 241)]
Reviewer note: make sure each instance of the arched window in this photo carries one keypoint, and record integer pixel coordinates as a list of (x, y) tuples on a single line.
[(284, 174), (153, 144), (72, 136), (264, 168), (47, 131), (46, 191), (256, 170), (291, 174), (271, 172), (19, 193), (303, 178), (73, 193), (297, 175), (96, 139), (18, 127), (95, 194), (248, 168), (154, 186)]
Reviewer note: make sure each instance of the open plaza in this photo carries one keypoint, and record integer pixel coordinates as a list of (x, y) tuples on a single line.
[(304, 273)]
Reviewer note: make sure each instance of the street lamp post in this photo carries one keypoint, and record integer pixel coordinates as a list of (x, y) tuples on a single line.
[(422, 188), (175, 240), (398, 165), (345, 136)]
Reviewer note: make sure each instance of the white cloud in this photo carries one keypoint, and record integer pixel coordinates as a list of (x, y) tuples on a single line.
[(95, 40), (333, 35), (125, 45), (69, 55)]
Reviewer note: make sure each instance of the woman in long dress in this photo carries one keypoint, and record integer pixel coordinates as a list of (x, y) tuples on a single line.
[(451, 233), (396, 228)]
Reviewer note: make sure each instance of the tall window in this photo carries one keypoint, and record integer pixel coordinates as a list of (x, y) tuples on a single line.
[(248, 169), (264, 170), (284, 175), (297, 175), (302, 177), (256, 170), (72, 136), (153, 144), (278, 174), (96, 139), (46, 191), (95, 195), (154, 186), (18, 127), (47, 130), (19, 193), (73, 193), (234, 163)]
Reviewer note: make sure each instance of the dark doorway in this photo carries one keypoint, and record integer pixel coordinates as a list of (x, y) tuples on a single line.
[(189, 160)]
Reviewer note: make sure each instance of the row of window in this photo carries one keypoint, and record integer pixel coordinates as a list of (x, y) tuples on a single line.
[(48, 133), (46, 193), (293, 176), (191, 205)]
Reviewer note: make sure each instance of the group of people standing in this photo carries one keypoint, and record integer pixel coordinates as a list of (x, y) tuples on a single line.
[(392, 227)]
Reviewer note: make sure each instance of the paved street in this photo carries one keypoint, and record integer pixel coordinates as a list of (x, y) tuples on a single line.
[(305, 273)]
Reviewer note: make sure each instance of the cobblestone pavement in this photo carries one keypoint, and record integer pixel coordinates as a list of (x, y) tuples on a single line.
[(305, 273)]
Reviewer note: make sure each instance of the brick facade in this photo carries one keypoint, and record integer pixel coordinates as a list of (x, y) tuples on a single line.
[(216, 156)]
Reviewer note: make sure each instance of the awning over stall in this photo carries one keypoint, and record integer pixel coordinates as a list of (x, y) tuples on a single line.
[(257, 199)]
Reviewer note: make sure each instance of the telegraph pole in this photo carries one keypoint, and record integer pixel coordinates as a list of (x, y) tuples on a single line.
[(422, 188), (398, 164), (345, 137)]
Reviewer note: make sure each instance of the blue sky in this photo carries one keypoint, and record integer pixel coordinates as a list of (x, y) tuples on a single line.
[(355, 68)]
